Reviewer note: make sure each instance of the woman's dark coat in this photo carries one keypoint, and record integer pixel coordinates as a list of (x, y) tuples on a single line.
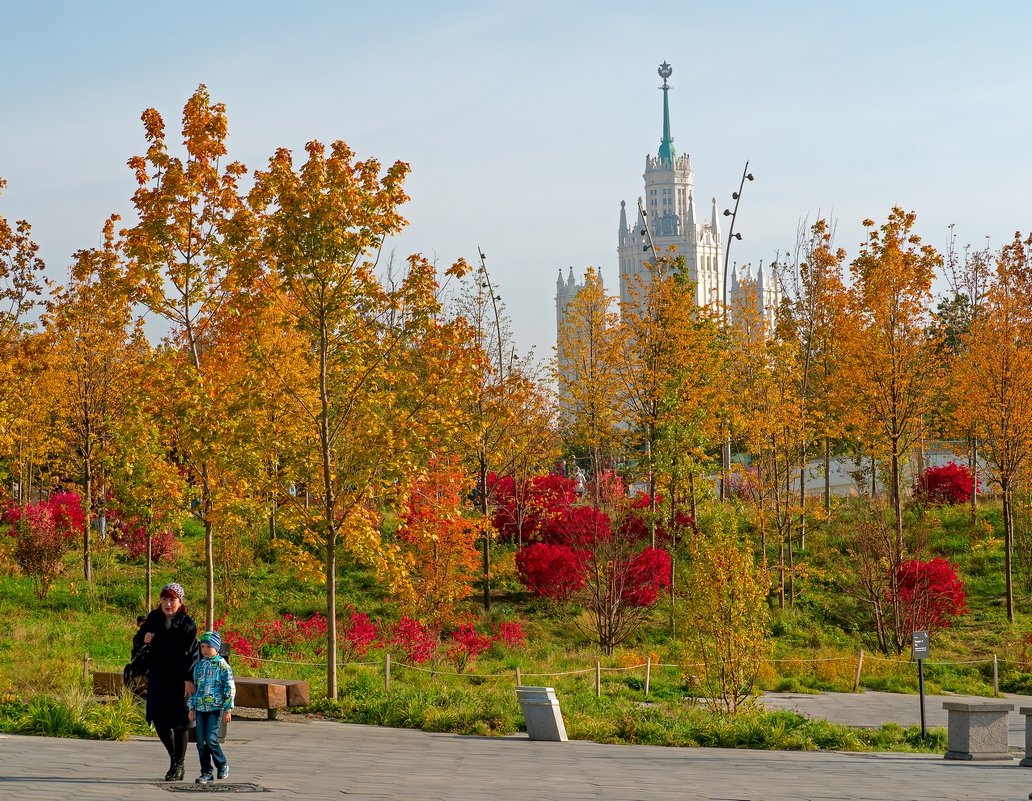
[(173, 654)]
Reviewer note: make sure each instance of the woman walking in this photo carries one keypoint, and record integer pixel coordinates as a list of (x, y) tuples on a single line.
[(172, 636)]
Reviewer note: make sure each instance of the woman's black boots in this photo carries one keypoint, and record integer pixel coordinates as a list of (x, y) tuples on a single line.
[(174, 741), (179, 740)]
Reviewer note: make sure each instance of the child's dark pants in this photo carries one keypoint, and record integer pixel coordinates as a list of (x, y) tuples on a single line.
[(208, 740)]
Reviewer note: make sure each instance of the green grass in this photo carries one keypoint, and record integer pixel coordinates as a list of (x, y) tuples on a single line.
[(46, 690)]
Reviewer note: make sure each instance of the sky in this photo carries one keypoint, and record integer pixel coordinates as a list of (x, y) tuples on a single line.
[(527, 123)]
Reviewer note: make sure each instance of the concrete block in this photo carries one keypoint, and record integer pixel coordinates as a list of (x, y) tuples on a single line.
[(977, 731), (541, 712)]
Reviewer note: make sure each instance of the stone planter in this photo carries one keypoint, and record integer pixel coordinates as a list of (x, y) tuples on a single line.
[(977, 731)]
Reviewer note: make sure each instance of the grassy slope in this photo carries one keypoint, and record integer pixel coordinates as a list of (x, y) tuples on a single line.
[(75, 620)]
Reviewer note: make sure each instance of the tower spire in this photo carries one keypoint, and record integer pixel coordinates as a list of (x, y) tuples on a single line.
[(666, 146)]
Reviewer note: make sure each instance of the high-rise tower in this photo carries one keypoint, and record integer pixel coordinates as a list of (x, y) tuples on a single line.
[(670, 207), (671, 213)]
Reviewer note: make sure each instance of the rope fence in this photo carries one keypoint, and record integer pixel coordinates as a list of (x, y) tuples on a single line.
[(387, 664)]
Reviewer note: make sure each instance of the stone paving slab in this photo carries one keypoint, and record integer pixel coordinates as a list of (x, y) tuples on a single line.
[(315, 760)]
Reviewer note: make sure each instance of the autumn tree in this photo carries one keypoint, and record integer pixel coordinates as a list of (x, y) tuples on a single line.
[(668, 368), (809, 317), (181, 251), (93, 355), (509, 430), (21, 283), (894, 373), (384, 375), (725, 612), (148, 489), (765, 379), (993, 384), (588, 374), (439, 542)]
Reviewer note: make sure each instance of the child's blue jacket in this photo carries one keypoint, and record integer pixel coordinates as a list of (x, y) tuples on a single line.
[(216, 689)]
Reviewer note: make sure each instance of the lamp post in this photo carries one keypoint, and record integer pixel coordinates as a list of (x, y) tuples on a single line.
[(733, 214), (482, 480), (725, 454)]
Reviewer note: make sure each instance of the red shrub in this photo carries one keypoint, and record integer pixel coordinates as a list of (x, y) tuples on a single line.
[(417, 642), (521, 509), (466, 645), (357, 636), (43, 533), (133, 537), (579, 526), (931, 594), (949, 484), (510, 633), (551, 571), (66, 507), (646, 576)]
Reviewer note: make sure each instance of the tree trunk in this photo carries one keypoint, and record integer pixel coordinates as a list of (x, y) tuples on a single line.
[(482, 502), (329, 511), (973, 467), (87, 556), (150, 566), (802, 504), (692, 498), (897, 500), (1008, 538), (827, 475)]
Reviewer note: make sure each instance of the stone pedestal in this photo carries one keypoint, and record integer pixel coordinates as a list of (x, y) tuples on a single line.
[(541, 712), (1027, 712), (977, 731)]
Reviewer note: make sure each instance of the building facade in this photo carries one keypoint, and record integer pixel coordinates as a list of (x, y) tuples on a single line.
[(670, 214)]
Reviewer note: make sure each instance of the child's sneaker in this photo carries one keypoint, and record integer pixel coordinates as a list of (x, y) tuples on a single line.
[(223, 772), (204, 778)]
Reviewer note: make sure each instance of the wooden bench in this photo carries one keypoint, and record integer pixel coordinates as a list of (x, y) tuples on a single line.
[(271, 695)]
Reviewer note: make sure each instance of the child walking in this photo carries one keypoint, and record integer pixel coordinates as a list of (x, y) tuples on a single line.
[(211, 702)]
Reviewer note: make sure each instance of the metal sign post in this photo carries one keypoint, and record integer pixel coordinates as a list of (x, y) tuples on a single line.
[(919, 651)]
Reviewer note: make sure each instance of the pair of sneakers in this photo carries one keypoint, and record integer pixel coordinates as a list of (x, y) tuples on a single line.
[(207, 778)]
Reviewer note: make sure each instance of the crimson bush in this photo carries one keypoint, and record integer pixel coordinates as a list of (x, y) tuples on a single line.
[(551, 571), (948, 484), (43, 533), (931, 594)]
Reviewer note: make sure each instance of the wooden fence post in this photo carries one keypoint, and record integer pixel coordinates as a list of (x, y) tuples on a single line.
[(648, 675), (859, 666), (996, 678), (387, 673), (519, 677), (85, 667), (598, 679)]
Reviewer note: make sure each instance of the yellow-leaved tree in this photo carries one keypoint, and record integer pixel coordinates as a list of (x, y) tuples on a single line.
[(588, 376), (94, 357), (725, 611), (892, 364), (993, 382), (383, 373), (190, 225)]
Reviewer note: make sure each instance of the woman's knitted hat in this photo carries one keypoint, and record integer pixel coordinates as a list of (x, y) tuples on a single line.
[(211, 638), (172, 587)]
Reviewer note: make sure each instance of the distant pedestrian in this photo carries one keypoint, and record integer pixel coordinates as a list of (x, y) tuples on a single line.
[(579, 485), (211, 703), (172, 636)]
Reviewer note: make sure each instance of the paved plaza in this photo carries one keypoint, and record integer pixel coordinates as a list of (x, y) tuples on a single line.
[(298, 758)]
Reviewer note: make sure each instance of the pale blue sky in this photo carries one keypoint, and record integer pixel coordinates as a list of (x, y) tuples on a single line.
[(527, 123)]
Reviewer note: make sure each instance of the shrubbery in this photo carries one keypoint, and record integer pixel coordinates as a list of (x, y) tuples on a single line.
[(948, 484), (43, 533), (931, 594)]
